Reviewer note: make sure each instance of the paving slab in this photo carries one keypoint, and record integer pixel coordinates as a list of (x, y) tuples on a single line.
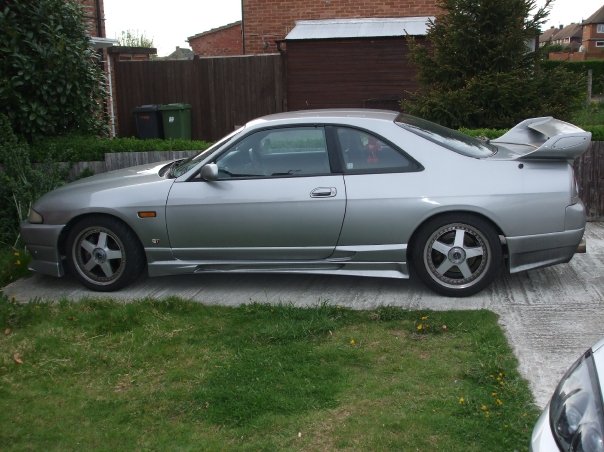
[(550, 316)]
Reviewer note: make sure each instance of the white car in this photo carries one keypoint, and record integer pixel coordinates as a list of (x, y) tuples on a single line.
[(573, 420)]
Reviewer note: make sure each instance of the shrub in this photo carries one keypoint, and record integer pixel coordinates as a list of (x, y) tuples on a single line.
[(579, 69), (475, 71), (89, 148), (50, 79), (20, 182)]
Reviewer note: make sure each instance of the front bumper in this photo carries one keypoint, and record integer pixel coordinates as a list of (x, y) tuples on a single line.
[(42, 242)]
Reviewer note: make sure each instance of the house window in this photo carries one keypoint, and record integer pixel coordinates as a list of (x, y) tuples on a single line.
[(599, 43), (600, 28)]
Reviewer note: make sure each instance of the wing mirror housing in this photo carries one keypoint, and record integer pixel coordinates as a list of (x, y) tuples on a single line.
[(209, 172)]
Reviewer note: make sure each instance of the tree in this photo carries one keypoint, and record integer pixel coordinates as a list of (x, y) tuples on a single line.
[(51, 82), (476, 70), (131, 38)]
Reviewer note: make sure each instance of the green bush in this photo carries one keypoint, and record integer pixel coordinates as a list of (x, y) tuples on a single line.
[(21, 183), (580, 68), (51, 81), (89, 148), (474, 69)]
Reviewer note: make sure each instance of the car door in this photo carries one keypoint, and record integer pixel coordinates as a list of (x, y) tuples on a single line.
[(383, 187), (275, 199)]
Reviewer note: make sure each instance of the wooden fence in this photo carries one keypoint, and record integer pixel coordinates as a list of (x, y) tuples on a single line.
[(589, 169), (223, 92)]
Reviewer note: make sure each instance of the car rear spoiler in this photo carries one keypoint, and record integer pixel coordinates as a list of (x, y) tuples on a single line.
[(548, 138)]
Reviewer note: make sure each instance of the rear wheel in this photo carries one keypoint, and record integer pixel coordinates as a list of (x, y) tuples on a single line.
[(457, 255), (104, 254)]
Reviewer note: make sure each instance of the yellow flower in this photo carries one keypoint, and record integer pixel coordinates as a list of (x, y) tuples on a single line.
[(498, 402), (493, 394), (16, 253), (425, 317), (461, 401), (352, 342), (484, 408), (420, 327), (18, 262)]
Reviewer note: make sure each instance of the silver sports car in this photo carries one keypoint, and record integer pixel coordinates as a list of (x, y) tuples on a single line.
[(353, 192), (573, 420)]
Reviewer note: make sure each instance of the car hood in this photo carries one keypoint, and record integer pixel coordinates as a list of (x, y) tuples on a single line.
[(119, 178), (110, 192)]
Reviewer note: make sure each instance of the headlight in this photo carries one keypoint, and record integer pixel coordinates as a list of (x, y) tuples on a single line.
[(34, 217), (576, 415)]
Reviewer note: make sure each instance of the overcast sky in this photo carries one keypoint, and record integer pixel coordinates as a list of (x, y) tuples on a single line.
[(169, 23)]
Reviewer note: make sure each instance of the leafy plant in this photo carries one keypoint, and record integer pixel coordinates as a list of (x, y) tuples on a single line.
[(51, 82), (580, 68), (130, 38), (475, 69), (86, 148), (21, 183)]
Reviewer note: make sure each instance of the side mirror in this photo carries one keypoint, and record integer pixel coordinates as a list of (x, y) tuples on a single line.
[(209, 172)]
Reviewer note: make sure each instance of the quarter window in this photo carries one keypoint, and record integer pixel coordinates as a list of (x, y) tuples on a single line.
[(600, 28), (284, 152), (365, 153), (599, 43)]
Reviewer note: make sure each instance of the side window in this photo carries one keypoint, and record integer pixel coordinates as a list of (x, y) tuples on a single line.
[(363, 153), (299, 151)]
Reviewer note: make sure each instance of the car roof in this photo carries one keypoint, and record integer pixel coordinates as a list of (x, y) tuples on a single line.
[(324, 115)]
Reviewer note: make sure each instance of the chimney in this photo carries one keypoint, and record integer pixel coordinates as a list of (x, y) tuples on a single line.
[(561, 27)]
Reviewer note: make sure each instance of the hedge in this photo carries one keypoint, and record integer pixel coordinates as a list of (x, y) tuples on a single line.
[(581, 67), (89, 148)]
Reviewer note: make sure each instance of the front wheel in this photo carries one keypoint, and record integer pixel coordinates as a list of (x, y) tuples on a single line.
[(104, 254), (457, 255)]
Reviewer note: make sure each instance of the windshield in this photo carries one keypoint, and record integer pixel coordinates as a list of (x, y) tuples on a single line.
[(448, 138), (182, 166)]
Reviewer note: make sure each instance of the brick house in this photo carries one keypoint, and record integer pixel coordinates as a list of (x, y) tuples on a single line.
[(268, 21), (221, 41), (593, 32), (569, 37), (548, 35)]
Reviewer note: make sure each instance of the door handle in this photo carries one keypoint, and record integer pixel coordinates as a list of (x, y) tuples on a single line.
[(324, 192)]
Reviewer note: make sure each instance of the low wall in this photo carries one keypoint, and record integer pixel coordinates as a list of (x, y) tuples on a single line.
[(119, 160)]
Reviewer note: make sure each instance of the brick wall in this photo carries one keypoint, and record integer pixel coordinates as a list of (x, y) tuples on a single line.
[(223, 41), (590, 37), (95, 27), (266, 21)]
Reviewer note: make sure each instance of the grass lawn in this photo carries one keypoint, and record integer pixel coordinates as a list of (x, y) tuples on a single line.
[(179, 375)]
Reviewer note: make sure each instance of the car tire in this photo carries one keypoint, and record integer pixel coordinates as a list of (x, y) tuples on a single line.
[(104, 254), (457, 255)]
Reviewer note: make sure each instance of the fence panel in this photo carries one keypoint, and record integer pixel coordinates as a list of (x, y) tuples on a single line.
[(223, 92), (589, 169)]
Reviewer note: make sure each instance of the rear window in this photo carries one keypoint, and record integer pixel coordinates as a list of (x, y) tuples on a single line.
[(448, 138)]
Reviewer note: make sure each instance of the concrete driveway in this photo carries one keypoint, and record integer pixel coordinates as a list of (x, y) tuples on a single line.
[(550, 316)]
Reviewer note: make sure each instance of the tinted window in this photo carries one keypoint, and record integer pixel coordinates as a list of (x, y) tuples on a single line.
[(363, 152), (448, 138), (300, 151)]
